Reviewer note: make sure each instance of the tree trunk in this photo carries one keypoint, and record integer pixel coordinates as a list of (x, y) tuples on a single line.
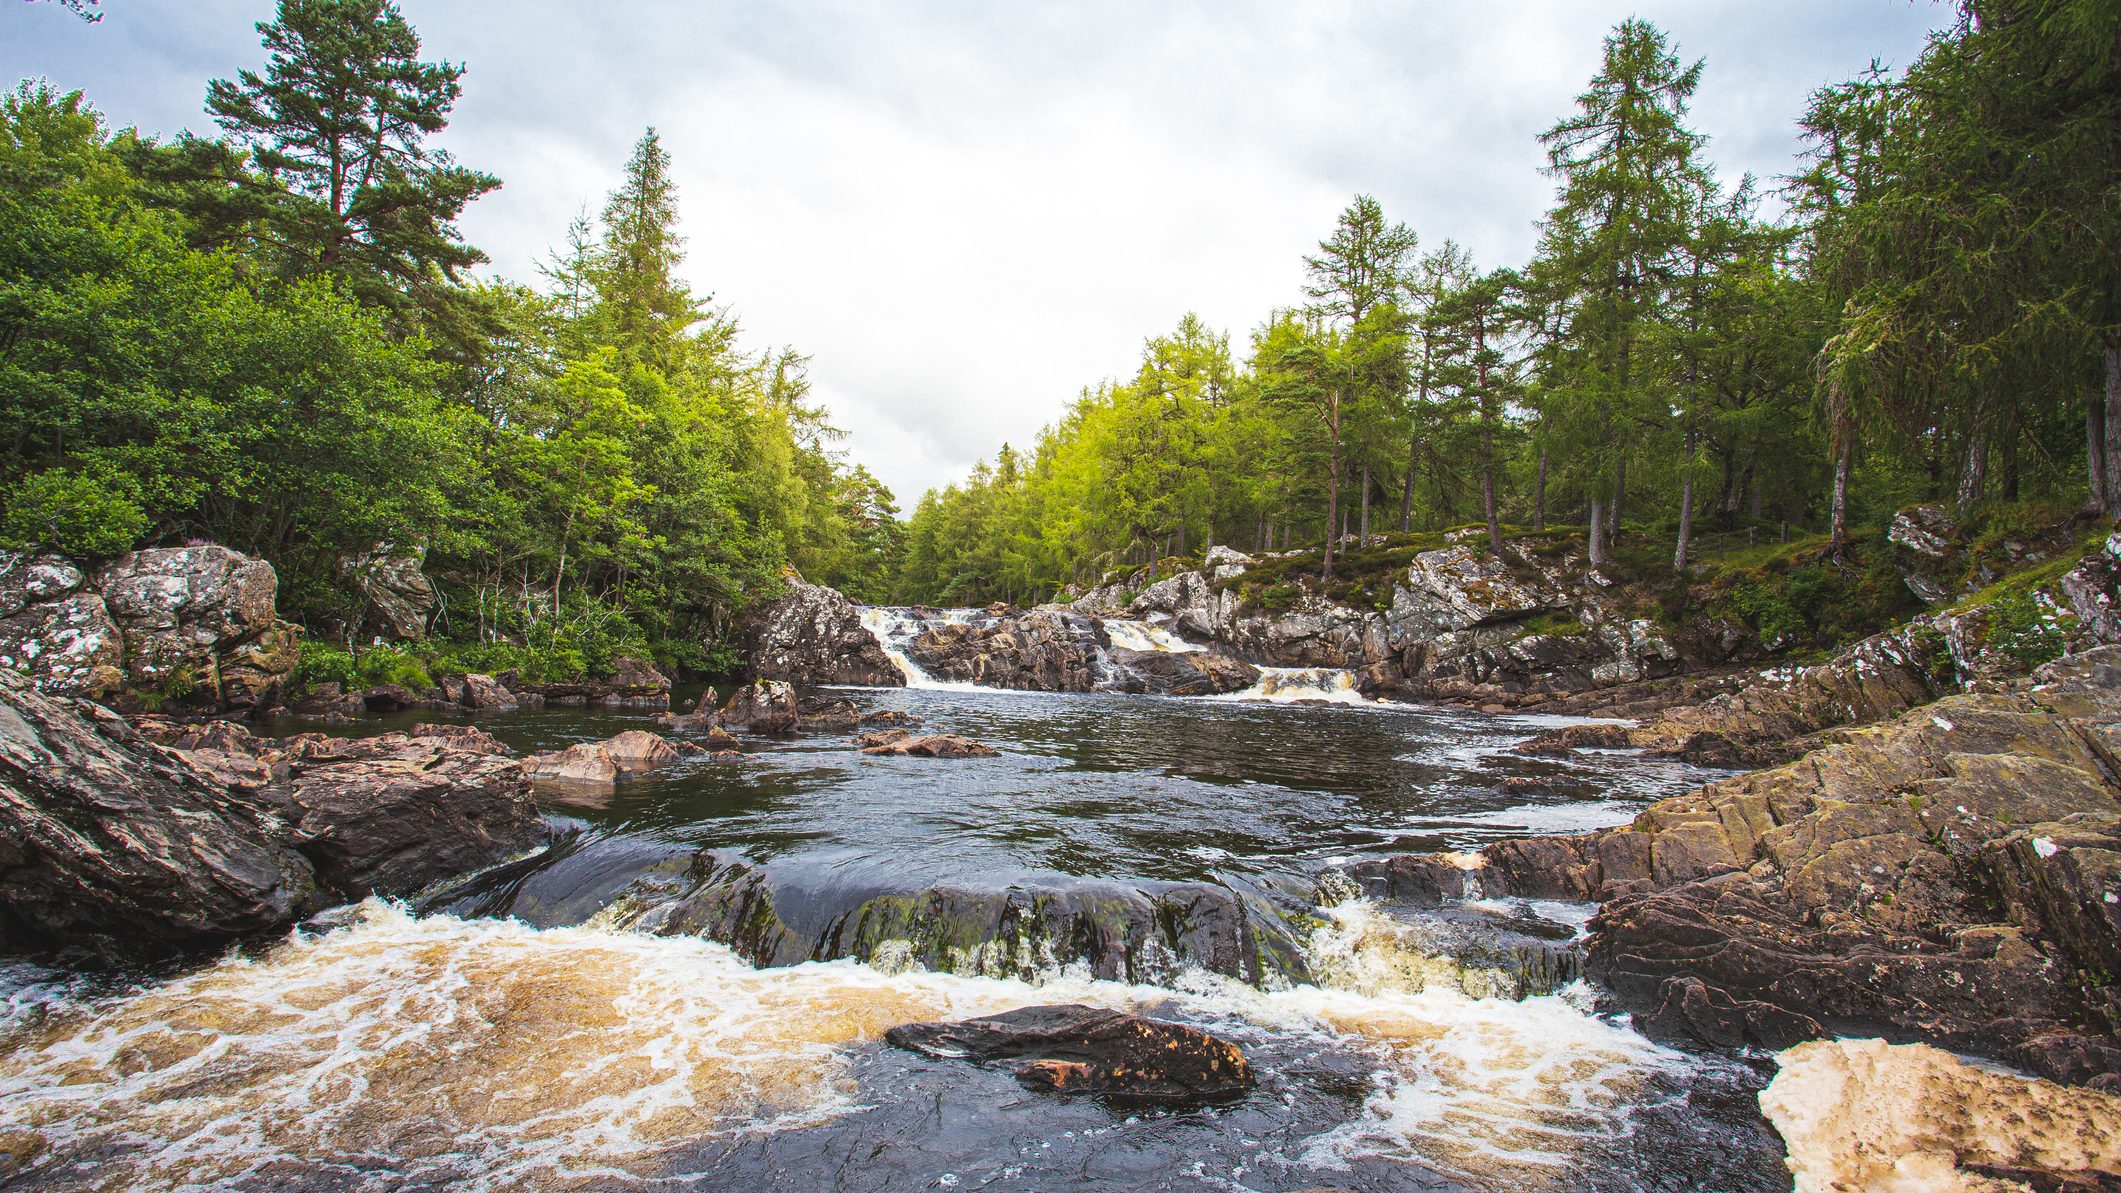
[(1597, 536), (2113, 424), (1973, 479), (1838, 519), (1539, 494), (1686, 522), (1620, 492), (1332, 489), (2095, 451), (1406, 493), (1487, 501)]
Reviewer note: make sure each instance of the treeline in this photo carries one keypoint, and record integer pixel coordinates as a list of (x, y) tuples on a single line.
[(1935, 316), (275, 339)]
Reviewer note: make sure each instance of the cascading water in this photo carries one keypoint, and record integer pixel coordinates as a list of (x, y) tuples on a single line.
[(597, 1016), (894, 628), (1297, 685)]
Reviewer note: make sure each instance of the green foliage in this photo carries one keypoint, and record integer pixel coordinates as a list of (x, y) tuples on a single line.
[(74, 513), (2027, 627)]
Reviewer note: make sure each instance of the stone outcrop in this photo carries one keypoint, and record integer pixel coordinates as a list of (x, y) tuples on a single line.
[(1039, 650), (1952, 874), (814, 635), (1908, 1118), (397, 598), (193, 625), (1461, 624), (1078, 1049), (633, 683), (112, 841)]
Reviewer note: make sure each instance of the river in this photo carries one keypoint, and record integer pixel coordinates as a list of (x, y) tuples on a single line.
[(593, 1017)]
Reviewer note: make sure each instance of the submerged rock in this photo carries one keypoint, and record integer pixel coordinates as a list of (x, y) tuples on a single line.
[(1908, 1118), (814, 635), (602, 763), (898, 743), (1077, 1049)]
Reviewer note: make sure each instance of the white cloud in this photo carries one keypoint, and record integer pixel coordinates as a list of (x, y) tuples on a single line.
[(966, 212)]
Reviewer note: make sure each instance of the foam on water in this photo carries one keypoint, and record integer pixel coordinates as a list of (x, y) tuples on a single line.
[(1290, 685), (893, 628), (1146, 636), (494, 1055)]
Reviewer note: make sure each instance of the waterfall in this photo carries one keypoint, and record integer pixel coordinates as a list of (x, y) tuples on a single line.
[(894, 628), (1147, 636)]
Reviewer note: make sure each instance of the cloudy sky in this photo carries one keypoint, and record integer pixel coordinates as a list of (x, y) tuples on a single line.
[(966, 210)]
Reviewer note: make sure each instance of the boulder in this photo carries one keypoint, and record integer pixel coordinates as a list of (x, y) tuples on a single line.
[(814, 635), (640, 748), (762, 706), (199, 621), (898, 743), (113, 843), (822, 713), (1183, 673), (110, 841), (484, 692), (635, 683), (721, 741), (583, 763), (1865, 1114), (1078, 1049), (397, 597), (890, 716)]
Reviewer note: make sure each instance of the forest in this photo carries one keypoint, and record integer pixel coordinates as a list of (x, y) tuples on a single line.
[(1927, 307), (277, 339)]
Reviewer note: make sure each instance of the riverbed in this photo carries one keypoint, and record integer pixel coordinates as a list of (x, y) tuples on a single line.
[(596, 1015)]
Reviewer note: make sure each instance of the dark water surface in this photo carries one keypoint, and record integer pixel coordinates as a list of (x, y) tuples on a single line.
[(513, 1032)]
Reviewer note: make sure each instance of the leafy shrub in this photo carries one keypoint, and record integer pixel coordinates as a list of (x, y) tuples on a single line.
[(1277, 597), (73, 513), (321, 662), (2028, 627)]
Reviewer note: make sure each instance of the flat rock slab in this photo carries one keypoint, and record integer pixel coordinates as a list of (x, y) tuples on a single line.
[(897, 743), (1070, 1048)]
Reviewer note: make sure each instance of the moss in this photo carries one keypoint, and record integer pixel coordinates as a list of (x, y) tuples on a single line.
[(1553, 625)]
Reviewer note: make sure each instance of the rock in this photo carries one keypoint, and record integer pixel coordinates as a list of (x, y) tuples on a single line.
[(890, 716), (640, 748), (69, 645), (1927, 531), (823, 713), (882, 737), (397, 596), (199, 620), (1570, 738), (110, 842), (1908, 1118), (583, 763), (704, 717), (1042, 650), (762, 706), (393, 813), (721, 741), (485, 693), (1183, 673), (934, 745), (814, 635), (635, 683), (388, 697), (1079, 1049)]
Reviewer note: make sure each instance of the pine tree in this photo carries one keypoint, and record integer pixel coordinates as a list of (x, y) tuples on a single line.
[(337, 123), (642, 306)]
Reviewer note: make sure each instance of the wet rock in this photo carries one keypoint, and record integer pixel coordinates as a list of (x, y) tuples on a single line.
[(823, 714), (763, 706), (397, 596), (704, 717), (633, 683), (882, 737), (1183, 673), (1079, 1049), (1571, 738), (934, 745), (814, 635), (640, 748), (585, 763), (389, 697), (111, 842), (1043, 650), (890, 716), (391, 814), (720, 740), (1864, 1114)]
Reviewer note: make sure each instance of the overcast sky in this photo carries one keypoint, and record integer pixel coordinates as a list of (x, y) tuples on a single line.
[(966, 212)]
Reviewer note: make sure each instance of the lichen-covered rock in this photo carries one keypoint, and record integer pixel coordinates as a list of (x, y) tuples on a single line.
[(814, 635), (397, 597), (199, 620)]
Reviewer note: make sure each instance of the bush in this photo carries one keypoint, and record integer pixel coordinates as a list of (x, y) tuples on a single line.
[(321, 662), (73, 513), (2028, 628)]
